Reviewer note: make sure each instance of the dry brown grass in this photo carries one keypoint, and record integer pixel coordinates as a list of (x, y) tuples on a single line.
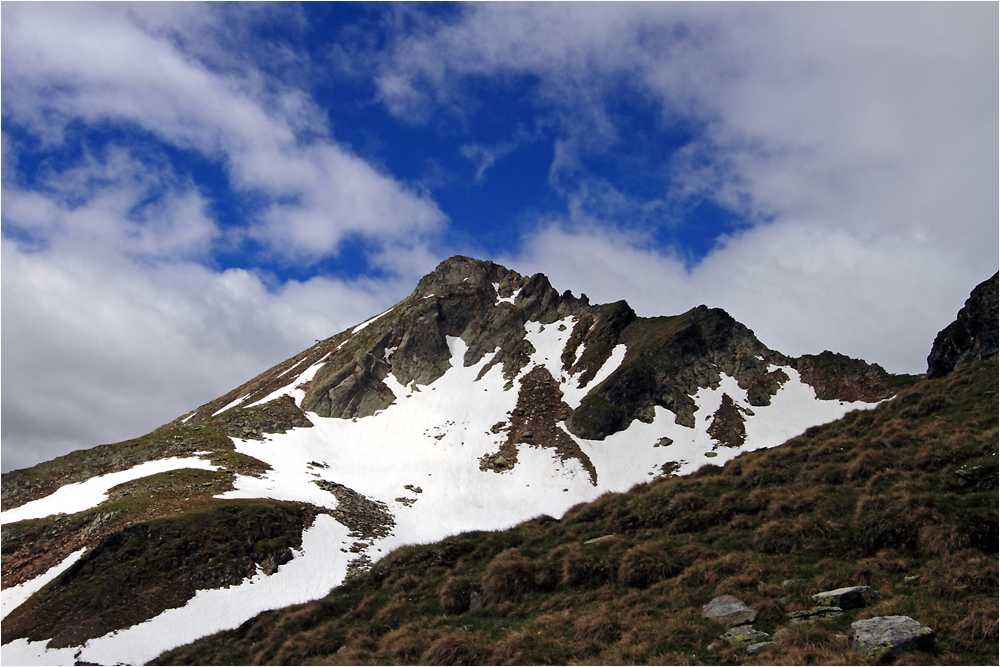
[(979, 625), (454, 648), (645, 564), (509, 577), (407, 643), (806, 644), (941, 540), (575, 569), (454, 595), (600, 626), (868, 463), (866, 572), (388, 617)]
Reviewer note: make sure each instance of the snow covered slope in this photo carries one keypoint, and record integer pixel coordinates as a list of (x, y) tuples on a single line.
[(483, 400)]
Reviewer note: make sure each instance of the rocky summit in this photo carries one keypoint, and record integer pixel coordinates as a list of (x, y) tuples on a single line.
[(483, 399)]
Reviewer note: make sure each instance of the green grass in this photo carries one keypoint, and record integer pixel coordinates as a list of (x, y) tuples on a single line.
[(875, 498)]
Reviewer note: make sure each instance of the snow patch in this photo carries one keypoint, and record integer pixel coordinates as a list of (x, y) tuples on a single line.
[(508, 299), (233, 404), (574, 395), (13, 597), (80, 496), (365, 324), (295, 390)]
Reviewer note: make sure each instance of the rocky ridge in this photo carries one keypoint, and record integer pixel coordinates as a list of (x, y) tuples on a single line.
[(667, 359)]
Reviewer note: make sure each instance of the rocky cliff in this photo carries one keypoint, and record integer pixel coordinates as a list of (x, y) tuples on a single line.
[(973, 334)]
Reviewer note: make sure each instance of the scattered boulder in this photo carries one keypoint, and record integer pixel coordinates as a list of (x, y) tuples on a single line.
[(754, 649), (882, 636), (847, 598), (475, 600), (729, 610), (788, 583)]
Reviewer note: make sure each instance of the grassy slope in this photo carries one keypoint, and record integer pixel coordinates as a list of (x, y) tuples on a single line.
[(903, 498)]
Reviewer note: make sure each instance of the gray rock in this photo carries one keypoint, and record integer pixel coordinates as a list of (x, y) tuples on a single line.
[(729, 610), (475, 600), (753, 649), (882, 636), (744, 635), (815, 614), (788, 583), (847, 598)]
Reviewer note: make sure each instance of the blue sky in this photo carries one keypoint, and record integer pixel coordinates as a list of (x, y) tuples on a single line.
[(193, 192)]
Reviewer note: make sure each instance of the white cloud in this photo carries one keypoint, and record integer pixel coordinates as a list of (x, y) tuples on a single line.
[(98, 64), (866, 135), (99, 348)]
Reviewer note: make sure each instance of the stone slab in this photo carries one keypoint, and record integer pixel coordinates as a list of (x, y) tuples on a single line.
[(882, 636)]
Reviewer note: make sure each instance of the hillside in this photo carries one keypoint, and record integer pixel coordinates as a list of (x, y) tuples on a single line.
[(483, 400), (902, 498)]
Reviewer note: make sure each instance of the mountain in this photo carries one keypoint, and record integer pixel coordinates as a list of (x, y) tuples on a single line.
[(484, 399), (902, 498)]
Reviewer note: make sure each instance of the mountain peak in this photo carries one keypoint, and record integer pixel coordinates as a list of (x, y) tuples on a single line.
[(483, 399)]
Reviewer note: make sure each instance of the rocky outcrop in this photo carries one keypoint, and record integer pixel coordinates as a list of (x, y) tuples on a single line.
[(839, 377), (972, 336), (883, 636)]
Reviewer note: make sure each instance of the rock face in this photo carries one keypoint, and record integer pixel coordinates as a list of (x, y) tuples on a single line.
[(973, 334), (729, 610), (882, 636)]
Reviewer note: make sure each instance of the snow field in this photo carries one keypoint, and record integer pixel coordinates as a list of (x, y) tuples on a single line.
[(433, 437), (72, 498)]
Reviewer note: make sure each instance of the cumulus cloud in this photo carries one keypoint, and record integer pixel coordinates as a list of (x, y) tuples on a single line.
[(99, 65), (859, 141)]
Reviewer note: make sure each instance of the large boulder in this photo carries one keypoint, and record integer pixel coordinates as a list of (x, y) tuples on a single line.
[(972, 336), (729, 610), (847, 598), (880, 637)]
